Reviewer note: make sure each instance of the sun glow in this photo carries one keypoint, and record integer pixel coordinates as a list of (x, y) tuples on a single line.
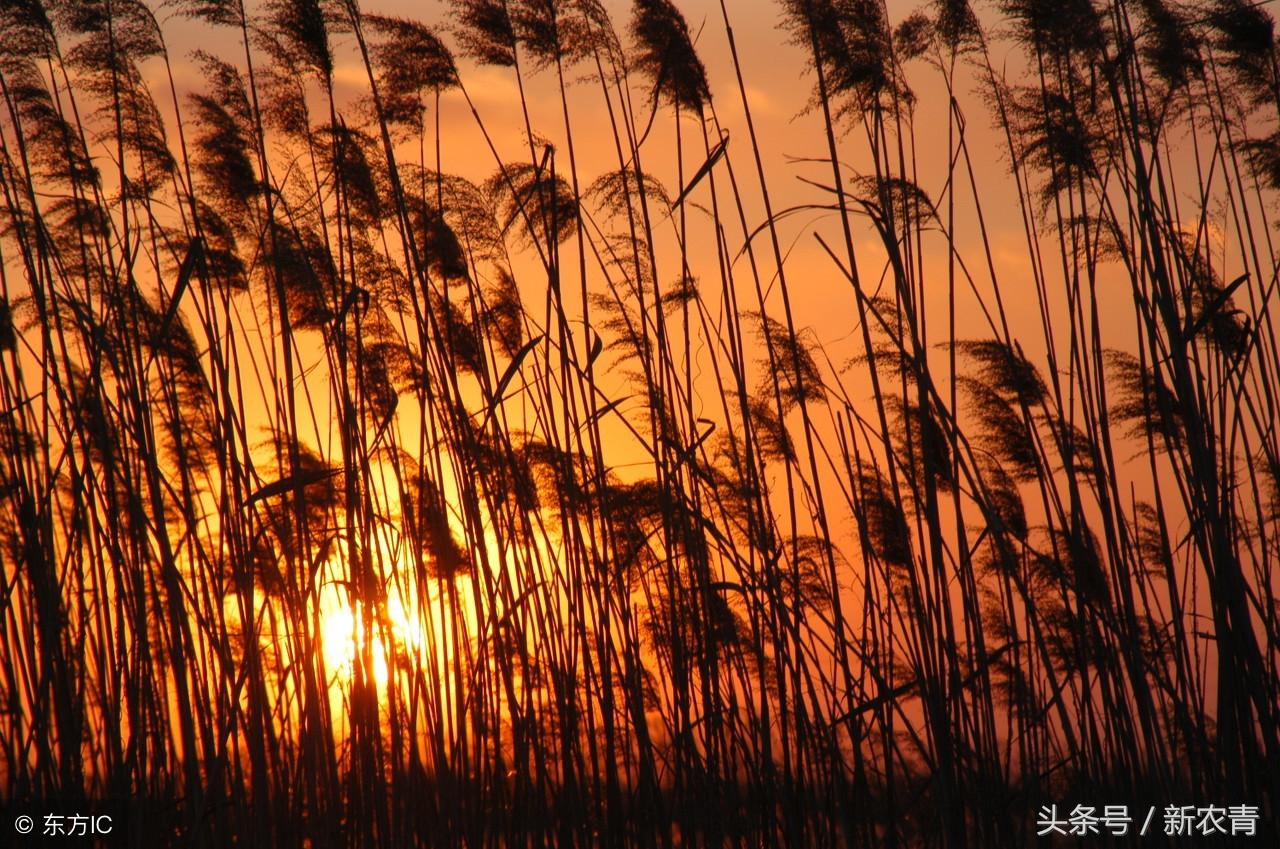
[(342, 635)]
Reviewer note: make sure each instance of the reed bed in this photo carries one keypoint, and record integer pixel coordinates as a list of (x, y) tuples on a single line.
[(349, 501)]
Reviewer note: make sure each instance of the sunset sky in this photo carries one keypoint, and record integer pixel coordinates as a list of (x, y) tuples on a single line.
[(343, 505)]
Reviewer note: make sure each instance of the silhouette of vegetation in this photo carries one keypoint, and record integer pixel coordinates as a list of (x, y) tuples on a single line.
[(349, 501)]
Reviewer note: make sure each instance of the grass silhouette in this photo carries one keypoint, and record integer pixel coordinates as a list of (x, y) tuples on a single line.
[(348, 501)]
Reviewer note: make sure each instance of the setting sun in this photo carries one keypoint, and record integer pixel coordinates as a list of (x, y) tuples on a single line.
[(341, 635)]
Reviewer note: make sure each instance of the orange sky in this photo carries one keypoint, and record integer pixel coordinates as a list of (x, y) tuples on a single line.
[(779, 88)]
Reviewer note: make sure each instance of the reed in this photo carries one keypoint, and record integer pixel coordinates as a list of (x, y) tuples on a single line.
[(353, 496)]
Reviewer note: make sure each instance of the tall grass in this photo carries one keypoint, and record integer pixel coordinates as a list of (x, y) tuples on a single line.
[(349, 501)]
